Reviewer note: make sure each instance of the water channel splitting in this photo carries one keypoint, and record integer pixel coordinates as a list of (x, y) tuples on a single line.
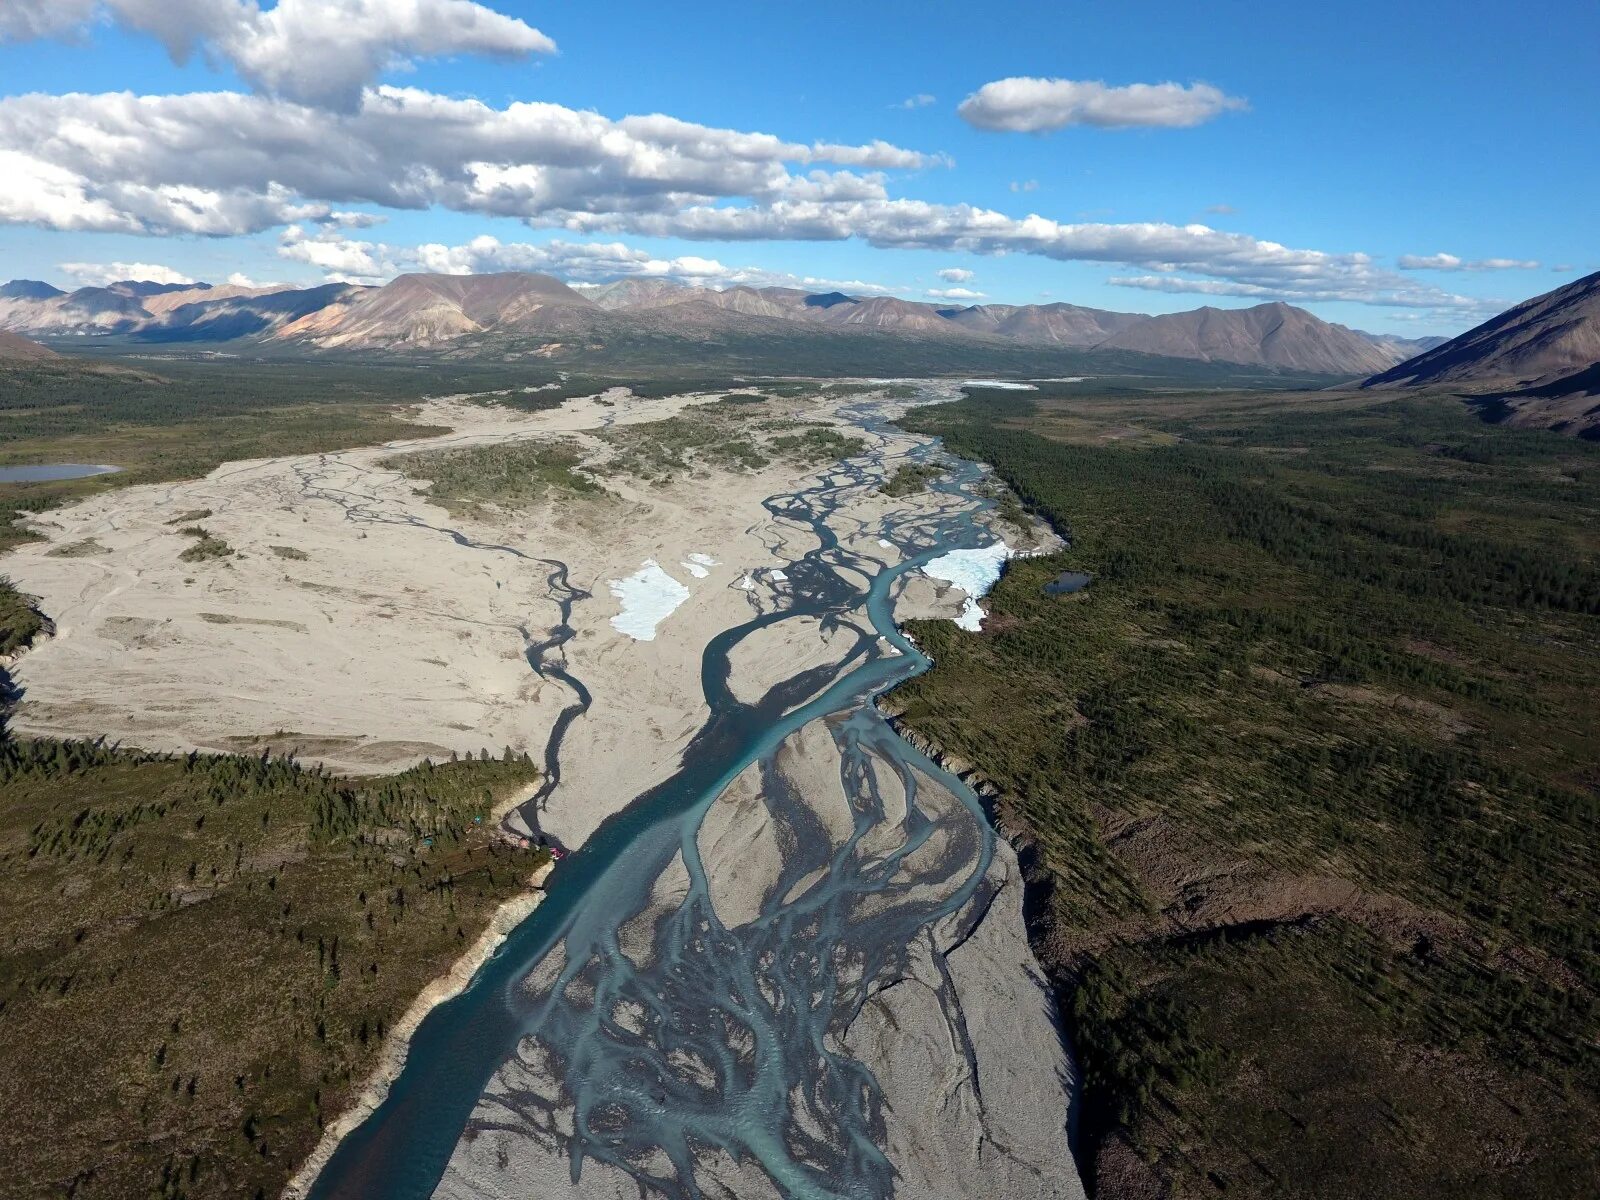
[(720, 1037)]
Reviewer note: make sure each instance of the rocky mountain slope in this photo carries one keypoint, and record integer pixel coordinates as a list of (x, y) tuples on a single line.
[(1536, 364), (429, 310), (1277, 334), (488, 313)]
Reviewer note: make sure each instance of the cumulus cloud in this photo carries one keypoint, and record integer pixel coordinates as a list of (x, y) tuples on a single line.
[(100, 274), (222, 162), (957, 275), (955, 293), (1267, 269), (320, 52), (344, 259), (25, 20), (1028, 105), (227, 163), (1449, 262)]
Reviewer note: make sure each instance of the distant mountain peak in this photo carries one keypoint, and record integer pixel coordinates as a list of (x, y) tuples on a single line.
[(29, 289)]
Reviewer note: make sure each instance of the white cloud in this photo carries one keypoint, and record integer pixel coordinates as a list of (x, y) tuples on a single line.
[(1222, 210), (1449, 262), (1024, 185), (100, 274), (221, 162), (321, 52), (1273, 269), (920, 100), (225, 163), (352, 261), (955, 293), (240, 279), (1376, 289), (1028, 105), (34, 192), (957, 275), (354, 220), (25, 20)]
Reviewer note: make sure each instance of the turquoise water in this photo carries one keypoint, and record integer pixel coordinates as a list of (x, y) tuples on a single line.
[(753, 1006)]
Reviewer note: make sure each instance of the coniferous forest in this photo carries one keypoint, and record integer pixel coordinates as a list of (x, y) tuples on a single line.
[(1308, 782)]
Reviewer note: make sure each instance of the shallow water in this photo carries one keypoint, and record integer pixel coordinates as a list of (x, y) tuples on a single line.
[(759, 1008), (51, 472), (1068, 582)]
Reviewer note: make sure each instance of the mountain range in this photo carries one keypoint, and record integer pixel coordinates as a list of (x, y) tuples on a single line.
[(491, 313), (1537, 364)]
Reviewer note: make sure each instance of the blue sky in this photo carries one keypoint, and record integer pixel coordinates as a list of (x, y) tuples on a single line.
[(1343, 148)]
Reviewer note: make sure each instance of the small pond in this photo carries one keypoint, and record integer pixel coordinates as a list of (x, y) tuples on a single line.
[(1067, 582), (50, 472)]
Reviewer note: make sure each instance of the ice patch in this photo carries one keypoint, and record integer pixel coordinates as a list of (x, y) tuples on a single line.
[(648, 597), (777, 576), (698, 565), (974, 572), (886, 543), (1004, 385), (746, 583)]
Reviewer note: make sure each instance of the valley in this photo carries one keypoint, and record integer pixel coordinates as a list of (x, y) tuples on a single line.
[(634, 602), (384, 631)]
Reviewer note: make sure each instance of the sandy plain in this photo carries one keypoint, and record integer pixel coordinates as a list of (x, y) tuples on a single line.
[(361, 625)]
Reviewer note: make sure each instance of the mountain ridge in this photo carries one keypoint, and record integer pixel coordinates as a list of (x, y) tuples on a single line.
[(422, 312), (1535, 365)]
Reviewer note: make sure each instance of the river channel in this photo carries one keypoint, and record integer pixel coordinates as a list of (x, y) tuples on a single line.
[(630, 1036)]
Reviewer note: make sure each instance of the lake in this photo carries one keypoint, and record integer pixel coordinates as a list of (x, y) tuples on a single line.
[(1068, 582), (49, 472)]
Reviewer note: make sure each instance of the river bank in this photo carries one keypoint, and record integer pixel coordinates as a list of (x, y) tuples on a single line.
[(397, 1044)]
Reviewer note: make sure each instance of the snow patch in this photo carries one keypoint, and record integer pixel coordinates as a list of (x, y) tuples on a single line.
[(648, 597), (698, 565), (974, 572), (1004, 385)]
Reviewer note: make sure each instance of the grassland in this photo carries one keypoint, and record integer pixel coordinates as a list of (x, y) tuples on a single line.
[(199, 957), (1309, 779)]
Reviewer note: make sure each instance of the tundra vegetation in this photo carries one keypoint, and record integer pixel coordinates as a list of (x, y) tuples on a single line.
[(1308, 781), (911, 478), (206, 545), (200, 956), (736, 433), (509, 475)]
